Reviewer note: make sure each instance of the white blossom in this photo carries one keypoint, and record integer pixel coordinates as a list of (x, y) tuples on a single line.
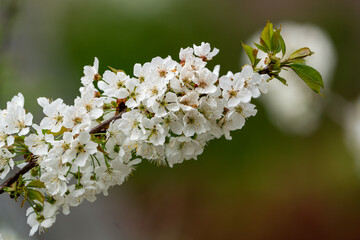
[(204, 51), (6, 162), (234, 90), (38, 143), (44, 220), (82, 148), (54, 112), (194, 122), (77, 118), (114, 85), (90, 73), (166, 114)]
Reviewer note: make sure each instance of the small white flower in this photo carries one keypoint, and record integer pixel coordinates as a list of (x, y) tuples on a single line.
[(135, 95), (82, 148), (152, 153), (90, 73), (205, 82), (131, 125), (162, 69), (54, 112), (186, 54), (141, 72), (189, 101), (174, 122), (169, 103), (61, 149), (181, 148), (194, 122), (38, 143), (44, 220), (114, 85), (6, 162), (204, 51), (6, 139), (77, 118), (155, 132), (234, 90), (55, 181), (17, 120), (212, 108), (252, 80), (152, 90), (92, 104), (235, 118)]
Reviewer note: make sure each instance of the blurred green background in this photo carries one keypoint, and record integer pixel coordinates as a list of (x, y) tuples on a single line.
[(264, 184)]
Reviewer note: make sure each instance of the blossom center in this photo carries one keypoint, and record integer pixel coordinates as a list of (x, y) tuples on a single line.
[(77, 120), (162, 73), (232, 93)]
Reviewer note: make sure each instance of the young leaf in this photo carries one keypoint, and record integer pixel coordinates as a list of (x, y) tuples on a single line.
[(261, 47), (282, 80), (265, 45), (301, 53), (297, 60), (255, 53), (249, 52), (276, 45), (282, 44), (257, 60), (310, 76), (36, 184), (267, 35), (35, 195)]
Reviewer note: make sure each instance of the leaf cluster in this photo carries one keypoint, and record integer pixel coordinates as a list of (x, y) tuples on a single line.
[(27, 190), (272, 43)]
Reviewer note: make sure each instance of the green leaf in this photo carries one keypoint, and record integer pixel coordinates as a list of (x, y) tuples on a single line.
[(282, 44), (276, 45), (249, 52), (283, 80), (301, 53), (36, 184), (255, 53), (267, 35), (265, 45), (261, 47), (298, 60), (310, 76), (8, 189), (35, 195)]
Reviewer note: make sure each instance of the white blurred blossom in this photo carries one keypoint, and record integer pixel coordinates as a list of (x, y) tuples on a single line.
[(352, 129)]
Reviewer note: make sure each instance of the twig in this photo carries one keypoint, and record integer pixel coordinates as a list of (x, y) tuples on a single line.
[(22, 171), (102, 126)]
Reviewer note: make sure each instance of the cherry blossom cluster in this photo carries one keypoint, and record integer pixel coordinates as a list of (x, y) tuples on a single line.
[(166, 113)]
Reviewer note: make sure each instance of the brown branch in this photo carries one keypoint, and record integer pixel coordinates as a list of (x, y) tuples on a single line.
[(97, 129), (102, 126), (22, 171), (266, 70)]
